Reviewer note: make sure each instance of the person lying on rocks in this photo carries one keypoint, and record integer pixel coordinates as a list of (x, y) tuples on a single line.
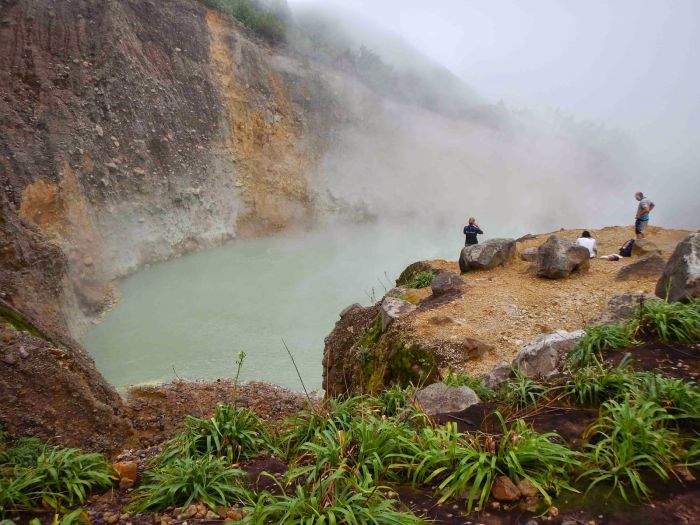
[(588, 242), (641, 219), (471, 230), (624, 251)]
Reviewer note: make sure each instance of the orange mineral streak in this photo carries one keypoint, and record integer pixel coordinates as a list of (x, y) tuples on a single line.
[(263, 139)]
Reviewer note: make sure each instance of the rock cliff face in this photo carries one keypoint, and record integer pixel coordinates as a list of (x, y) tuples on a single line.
[(130, 132), (133, 131)]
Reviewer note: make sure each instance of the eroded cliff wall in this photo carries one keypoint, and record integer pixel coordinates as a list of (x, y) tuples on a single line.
[(130, 131)]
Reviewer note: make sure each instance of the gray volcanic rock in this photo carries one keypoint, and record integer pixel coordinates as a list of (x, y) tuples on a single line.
[(492, 253), (439, 398), (681, 277), (498, 375), (393, 308), (545, 356), (557, 258)]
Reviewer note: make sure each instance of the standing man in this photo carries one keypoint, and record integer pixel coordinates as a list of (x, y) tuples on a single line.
[(642, 218), (471, 230)]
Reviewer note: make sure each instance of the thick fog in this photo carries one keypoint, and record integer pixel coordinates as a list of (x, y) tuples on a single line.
[(528, 115)]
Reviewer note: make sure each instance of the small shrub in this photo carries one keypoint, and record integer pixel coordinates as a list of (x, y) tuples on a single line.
[(421, 279), (628, 439), (24, 452), (680, 398), (599, 339), (671, 322), (338, 497), (253, 15), (468, 464), (232, 432), (522, 391), (183, 481), (475, 383), (60, 478), (367, 448), (397, 400), (592, 385)]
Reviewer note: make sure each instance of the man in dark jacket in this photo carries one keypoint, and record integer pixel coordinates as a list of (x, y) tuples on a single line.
[(471, 230)]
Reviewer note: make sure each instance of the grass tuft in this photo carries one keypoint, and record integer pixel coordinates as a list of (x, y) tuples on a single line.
[(182, 481), (232, 432), (629, 439), (670, 322)]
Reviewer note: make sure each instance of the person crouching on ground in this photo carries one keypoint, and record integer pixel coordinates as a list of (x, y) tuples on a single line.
[(588, 242), (641, 220), (471, 230)]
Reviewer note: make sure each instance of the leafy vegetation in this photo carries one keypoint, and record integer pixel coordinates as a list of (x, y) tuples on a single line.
[(232, 432), (475, 383), (182, 481), (35, 474), (628, 439), (521, 391), (466, 464), (268, 24), (670, 322), (339, 497), (421, 279), (593, 384), (599, 339)]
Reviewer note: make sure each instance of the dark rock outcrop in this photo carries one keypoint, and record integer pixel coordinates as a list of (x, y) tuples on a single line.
[(498, 375), (49, 387), (651, 265), (339, 363), (557, 258), (446, 282), (412, 270), (487, 255), (680, 280)]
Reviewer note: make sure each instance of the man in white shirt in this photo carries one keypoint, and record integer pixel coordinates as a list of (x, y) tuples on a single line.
[(588, 242)]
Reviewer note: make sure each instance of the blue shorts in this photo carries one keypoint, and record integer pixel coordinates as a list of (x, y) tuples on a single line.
[(640, 225)]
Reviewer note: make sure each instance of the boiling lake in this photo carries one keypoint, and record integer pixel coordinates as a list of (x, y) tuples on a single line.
[(190, 317)]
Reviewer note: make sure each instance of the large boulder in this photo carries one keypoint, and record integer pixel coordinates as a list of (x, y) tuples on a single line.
[(492, 253), (649, 266), (545, 356), (681, 277), (439, 398), (557, 258), (621, 307), (393, 308), (446, 282)]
